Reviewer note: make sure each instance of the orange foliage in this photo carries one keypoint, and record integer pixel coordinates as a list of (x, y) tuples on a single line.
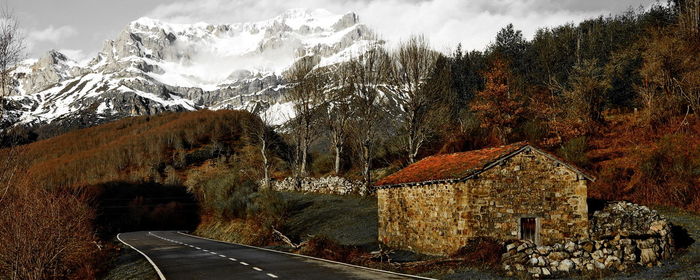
[(499, 106), (652, 167), (133, 150)]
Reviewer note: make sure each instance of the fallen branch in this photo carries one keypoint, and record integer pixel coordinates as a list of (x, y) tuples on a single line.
[(287, 240)]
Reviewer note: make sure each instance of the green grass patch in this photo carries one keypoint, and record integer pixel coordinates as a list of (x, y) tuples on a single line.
[(349, 220)]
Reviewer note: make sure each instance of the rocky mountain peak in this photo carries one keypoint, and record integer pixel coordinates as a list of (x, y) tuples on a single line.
[(154, 66)]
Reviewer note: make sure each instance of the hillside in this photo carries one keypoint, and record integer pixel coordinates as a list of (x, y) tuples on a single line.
[(651, 166), (132, 172), (138, 149)]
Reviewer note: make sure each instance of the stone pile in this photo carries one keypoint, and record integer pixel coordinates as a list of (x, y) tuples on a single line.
[(326, 185), (622, 235)]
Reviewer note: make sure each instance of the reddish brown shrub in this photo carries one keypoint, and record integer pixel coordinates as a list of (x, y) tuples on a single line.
[(326, 248), (46, 235), (481, 251)]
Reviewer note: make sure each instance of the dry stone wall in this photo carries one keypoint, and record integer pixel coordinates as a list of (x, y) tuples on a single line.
[(438, 219), (326, 185), (622, 235)]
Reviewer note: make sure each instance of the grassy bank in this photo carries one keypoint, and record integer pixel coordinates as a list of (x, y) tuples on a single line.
[(345, 219), (131, 265)]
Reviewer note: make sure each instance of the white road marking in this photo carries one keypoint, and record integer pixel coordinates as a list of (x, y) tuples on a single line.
[(160, 274), (257, 268), (213, 253), (272, 275), (198, 248), (222, 256), (243, 263), (233, 259)]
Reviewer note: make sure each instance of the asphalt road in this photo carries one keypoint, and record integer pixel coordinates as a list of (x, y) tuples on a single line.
[(180, 256)]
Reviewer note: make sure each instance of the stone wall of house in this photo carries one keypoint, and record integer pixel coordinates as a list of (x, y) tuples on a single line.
[(622, 235), (438, 219), (326, 185)]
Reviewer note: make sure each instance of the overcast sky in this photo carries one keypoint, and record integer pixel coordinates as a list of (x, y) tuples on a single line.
[(80, 27)]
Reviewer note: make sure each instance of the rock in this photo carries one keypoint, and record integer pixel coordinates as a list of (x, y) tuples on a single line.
[(558, 256), (587, 246), (598, 255), (647, 256), (599, 265), (523, 247), (510, 246), (554, 265), (611, 262), (645, 244), (570, 246), (566, 265), (546, 271), (534, 270)]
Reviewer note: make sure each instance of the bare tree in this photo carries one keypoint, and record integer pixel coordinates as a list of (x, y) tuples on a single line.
[(263, 131), (338, 111), (11, 46), (367, 75), (411, 68), (11, 52), (307, 88)]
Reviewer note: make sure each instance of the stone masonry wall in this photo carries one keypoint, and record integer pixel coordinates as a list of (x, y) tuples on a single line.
[(326, 185), (438, 219), (622, 235)]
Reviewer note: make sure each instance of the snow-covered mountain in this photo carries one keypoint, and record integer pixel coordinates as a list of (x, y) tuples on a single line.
[(154, 66)]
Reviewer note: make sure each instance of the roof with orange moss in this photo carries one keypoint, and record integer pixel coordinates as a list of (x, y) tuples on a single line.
[(459, 166)]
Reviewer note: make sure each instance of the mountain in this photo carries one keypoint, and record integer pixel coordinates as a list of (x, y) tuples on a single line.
[(154, 66)]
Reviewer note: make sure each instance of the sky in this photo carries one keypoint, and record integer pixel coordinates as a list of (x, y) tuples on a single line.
[(78, 28)]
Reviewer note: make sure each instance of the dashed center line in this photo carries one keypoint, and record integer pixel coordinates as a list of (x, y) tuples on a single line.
[(213, 253)]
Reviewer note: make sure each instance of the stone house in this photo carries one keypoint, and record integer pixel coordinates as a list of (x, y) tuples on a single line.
[(509, 192)]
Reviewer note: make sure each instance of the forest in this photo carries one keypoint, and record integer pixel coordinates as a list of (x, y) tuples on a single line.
[(617, 95)]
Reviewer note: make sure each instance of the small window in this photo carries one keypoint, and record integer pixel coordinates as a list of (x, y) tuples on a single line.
[(528, 228)]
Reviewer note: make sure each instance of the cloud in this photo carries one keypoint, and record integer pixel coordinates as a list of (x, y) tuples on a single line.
[(445, 22), (80, 56), (51, 34)]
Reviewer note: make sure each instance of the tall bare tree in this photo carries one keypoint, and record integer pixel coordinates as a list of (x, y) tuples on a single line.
[(11, 46), (338, 111), (367, 74), (263, 132), (307, 88), (411, 67), (11, 52)]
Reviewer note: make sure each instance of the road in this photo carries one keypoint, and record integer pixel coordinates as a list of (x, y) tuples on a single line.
[(180, 256)]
